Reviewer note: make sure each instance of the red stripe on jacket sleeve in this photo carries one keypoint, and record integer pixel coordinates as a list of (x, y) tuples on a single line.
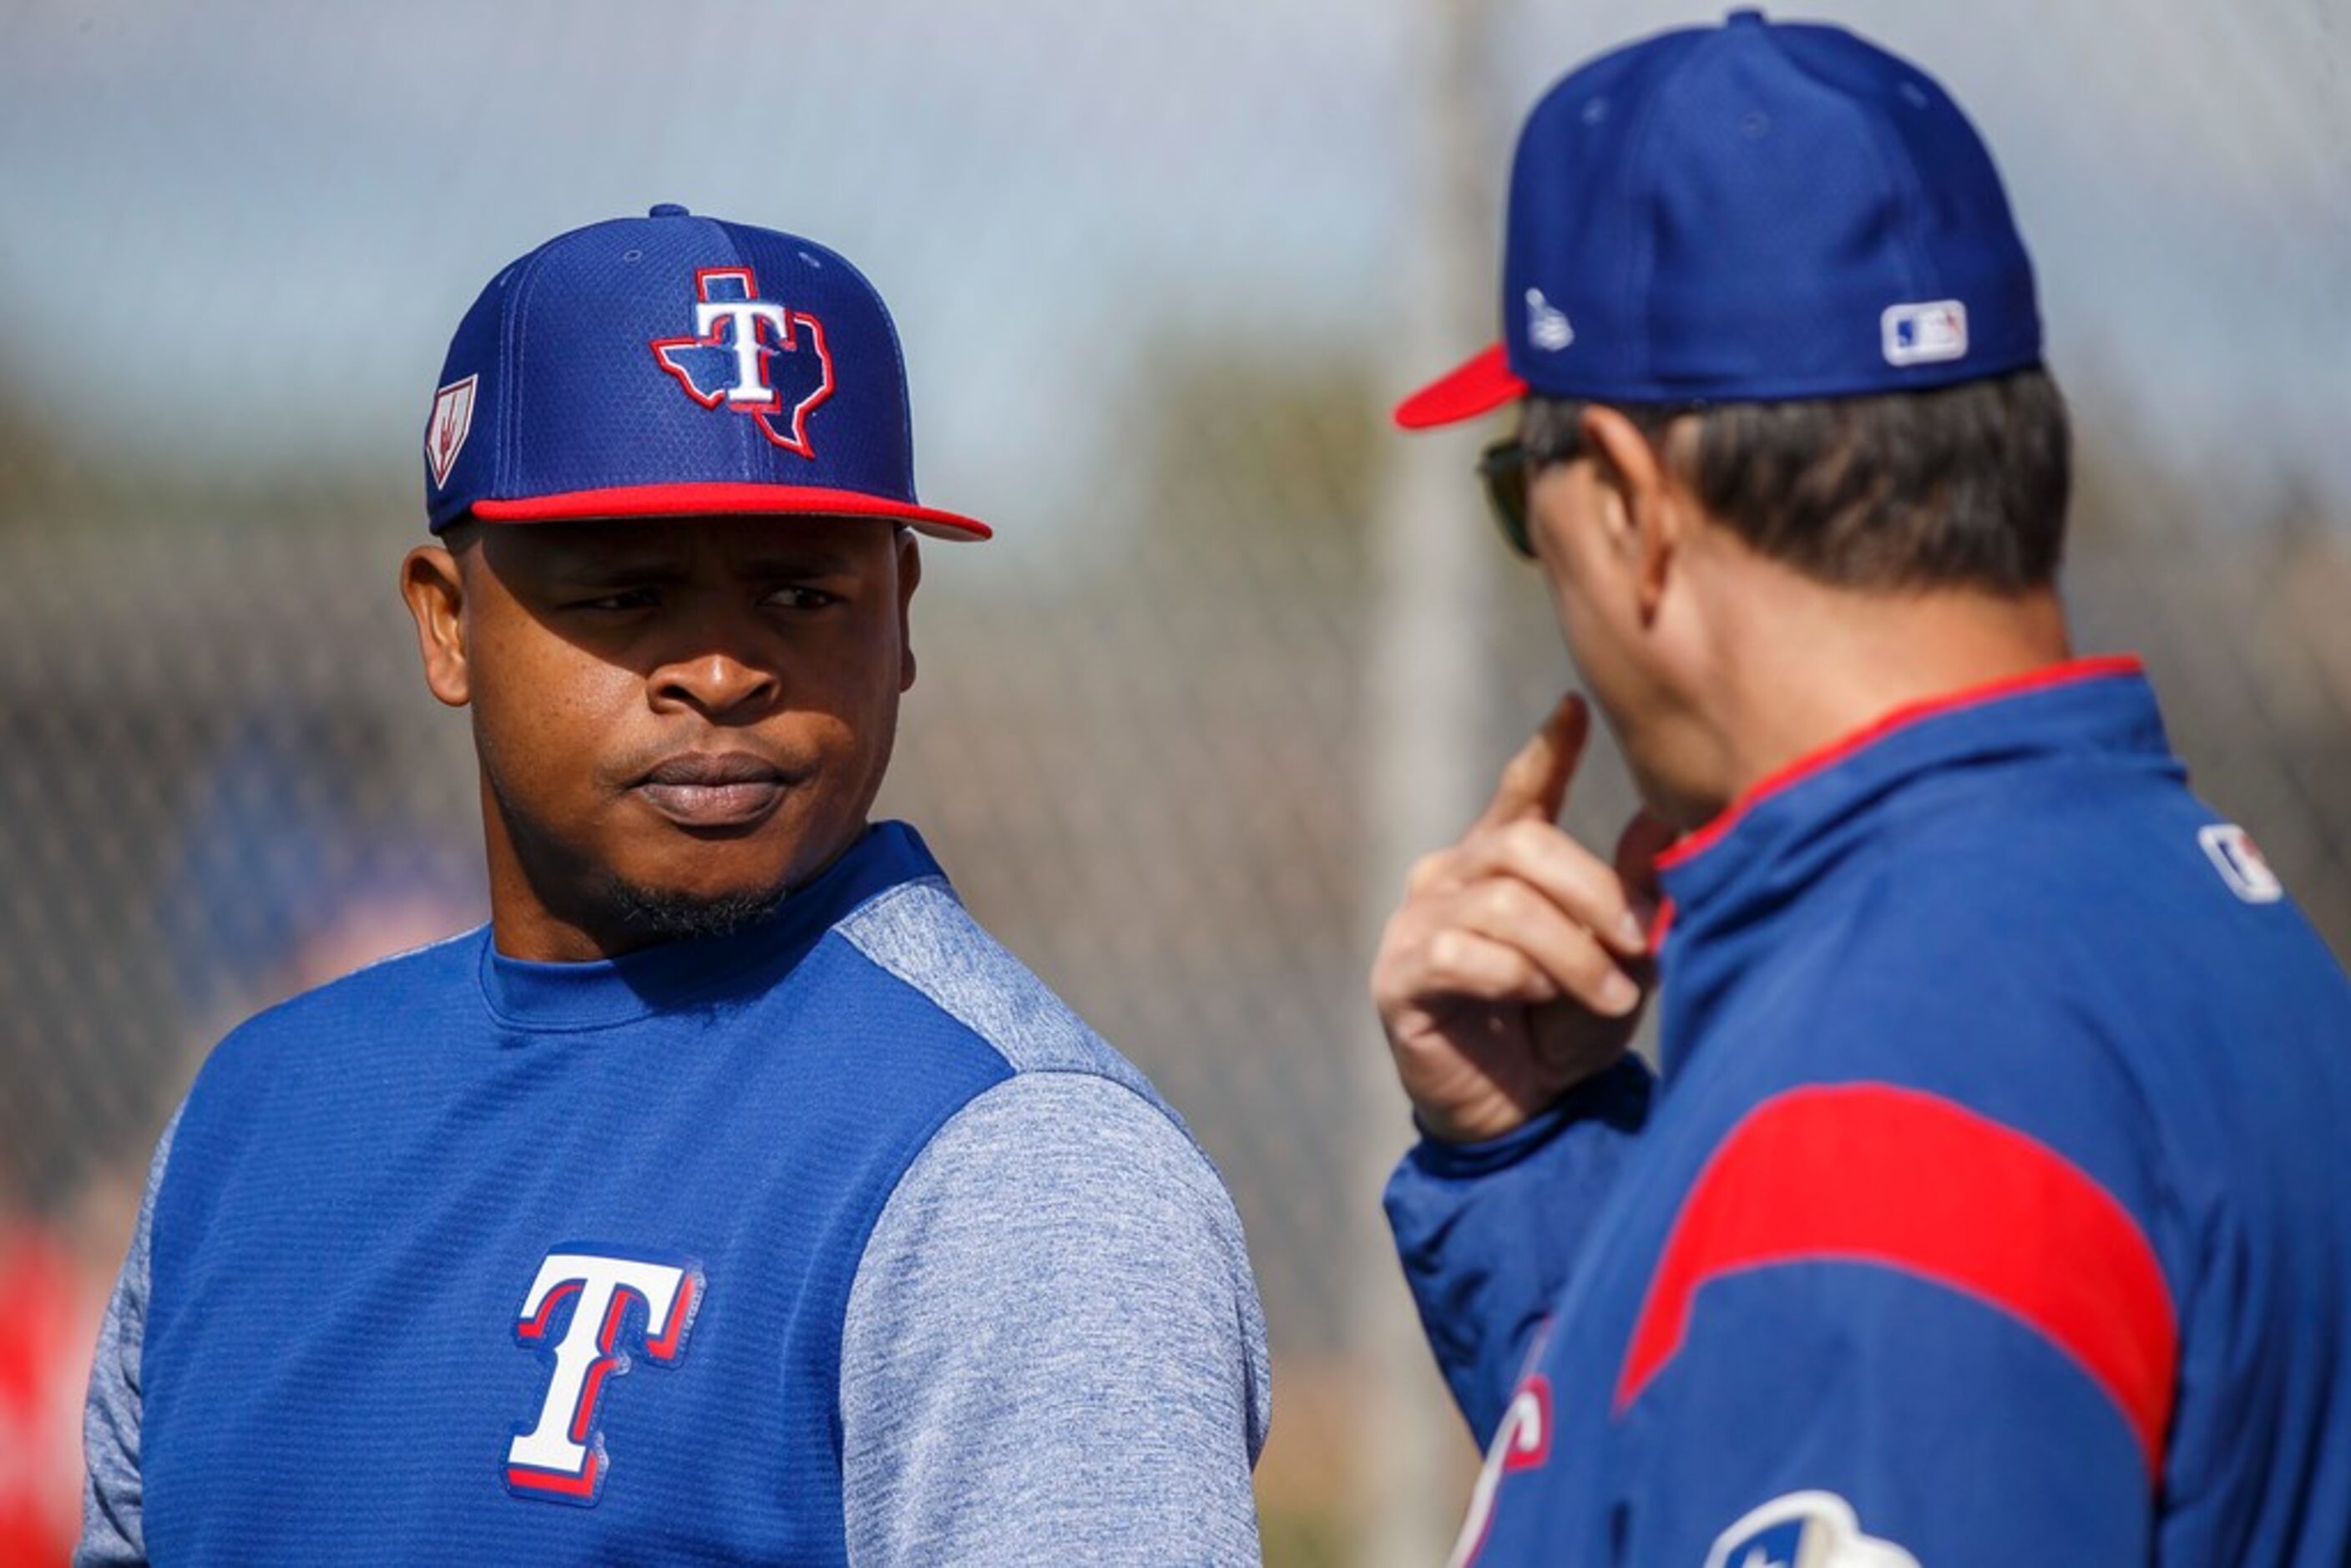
[(1871, 1173)]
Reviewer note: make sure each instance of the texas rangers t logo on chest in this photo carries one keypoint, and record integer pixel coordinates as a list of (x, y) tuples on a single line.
[(752, 355), (560, 1458)]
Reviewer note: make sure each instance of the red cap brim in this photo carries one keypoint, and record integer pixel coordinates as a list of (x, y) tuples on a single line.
[(1479, 385), (720, 500)]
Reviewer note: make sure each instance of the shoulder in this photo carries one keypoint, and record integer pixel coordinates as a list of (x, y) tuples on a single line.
[(2095, 949), (387, 1004), (1971, 1072), (2084, 874), (1071, 1145), (434, 974), (920, 933), (1961, 989), (1075, 1161), (2075, 912)]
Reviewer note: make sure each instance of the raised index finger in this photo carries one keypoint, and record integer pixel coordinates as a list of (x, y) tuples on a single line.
[(1534, 782)]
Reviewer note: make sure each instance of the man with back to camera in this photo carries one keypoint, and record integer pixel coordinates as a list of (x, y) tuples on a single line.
[(900, 1262), (1990, 1208)]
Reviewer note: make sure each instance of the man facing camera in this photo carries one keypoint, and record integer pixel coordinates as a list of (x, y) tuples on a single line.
[(731, 1196)]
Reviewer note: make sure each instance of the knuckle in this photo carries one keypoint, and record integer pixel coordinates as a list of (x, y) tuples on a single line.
[(1448, 951), (1509, 902), (1528, 835), (1533, 843)]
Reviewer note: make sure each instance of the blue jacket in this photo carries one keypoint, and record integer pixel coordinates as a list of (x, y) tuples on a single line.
[(835, 1241), (1990, 1208)]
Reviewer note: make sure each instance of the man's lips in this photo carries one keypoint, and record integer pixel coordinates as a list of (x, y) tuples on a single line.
[(713, 789)]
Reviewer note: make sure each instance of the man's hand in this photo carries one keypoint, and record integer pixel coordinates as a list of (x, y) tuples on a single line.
[(1517, 964)]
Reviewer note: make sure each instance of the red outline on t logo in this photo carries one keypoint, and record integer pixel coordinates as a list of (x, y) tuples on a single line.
[(560, 1456), (734, 325)]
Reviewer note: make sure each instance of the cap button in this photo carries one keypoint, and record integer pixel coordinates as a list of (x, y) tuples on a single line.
[(667, 209), (1745, 17)]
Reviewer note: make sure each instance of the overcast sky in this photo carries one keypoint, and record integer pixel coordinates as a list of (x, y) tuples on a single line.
[(243, 229)]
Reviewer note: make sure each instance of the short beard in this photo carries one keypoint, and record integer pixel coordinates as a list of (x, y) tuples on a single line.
[(666, 916)]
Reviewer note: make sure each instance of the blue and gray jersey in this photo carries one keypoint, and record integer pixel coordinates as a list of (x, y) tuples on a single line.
[(839, 1240)]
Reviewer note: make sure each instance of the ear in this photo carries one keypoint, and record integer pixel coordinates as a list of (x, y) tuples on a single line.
[(1645, 520), (434, 586), (910, 577)]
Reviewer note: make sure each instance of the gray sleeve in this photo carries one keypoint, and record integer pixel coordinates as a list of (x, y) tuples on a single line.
[(1053, 1351), (113, 1526)]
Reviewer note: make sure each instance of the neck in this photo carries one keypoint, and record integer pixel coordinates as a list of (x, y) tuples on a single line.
[(524, 922), (1826, 663)]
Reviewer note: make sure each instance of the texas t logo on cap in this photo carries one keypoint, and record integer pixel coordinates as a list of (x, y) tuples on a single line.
[(676, 366), (753, 355)]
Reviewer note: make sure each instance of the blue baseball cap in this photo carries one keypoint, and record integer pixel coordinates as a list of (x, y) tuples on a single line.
[(675, 366), (1758, 211)]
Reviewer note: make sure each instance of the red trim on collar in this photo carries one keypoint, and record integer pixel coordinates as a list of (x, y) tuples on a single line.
[(2068, 673), (1661, 925)]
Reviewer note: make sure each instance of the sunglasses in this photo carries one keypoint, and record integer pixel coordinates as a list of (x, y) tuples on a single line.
[(1503, 469)]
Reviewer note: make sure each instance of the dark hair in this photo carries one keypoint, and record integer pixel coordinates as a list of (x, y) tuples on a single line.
[(1959, 485)]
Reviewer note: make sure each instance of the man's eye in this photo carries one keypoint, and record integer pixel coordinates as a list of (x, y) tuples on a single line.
[(802, 598), (627, 598)]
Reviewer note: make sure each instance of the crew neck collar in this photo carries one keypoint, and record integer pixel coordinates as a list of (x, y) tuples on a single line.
[(673, 976)]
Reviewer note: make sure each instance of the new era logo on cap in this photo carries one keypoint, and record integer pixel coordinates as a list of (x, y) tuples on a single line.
[(676, 366), (1547, 328)]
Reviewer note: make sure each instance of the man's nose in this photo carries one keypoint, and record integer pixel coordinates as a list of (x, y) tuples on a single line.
[(718, 683)]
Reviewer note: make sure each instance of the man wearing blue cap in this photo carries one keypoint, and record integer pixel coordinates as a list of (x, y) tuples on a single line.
[(730, 1197), (1989, 1206)]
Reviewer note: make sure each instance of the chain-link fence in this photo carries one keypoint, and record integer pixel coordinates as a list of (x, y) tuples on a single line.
[(1156, 266)]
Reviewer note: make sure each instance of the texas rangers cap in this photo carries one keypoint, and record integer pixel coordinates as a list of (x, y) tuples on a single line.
[(675, 366), (1758, 211)]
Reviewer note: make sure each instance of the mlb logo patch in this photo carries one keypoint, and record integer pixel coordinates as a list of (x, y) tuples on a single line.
[(1925, 334), (2241, 863), (1804, 1530), (452, 422)]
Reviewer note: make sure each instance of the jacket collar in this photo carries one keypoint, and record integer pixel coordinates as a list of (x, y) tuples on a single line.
[(1785, 833)]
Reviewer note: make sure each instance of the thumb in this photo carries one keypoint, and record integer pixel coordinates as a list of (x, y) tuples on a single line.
[(1534, 782)]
